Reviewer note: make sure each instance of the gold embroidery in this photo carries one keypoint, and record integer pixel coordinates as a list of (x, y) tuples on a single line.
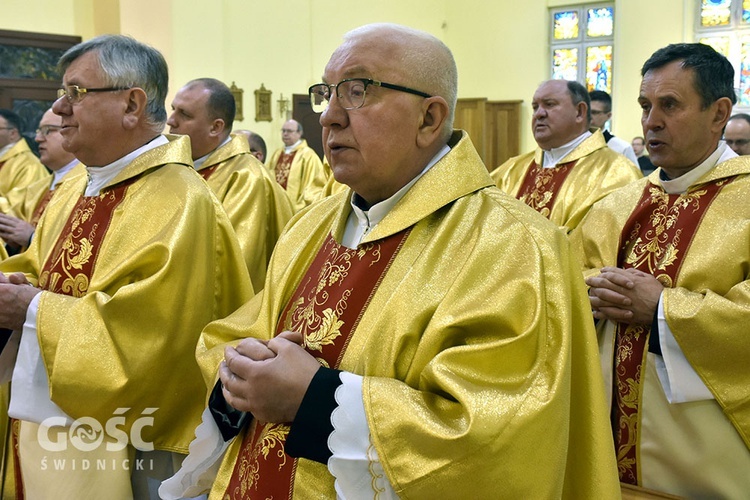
[(653, 250), (272, 436), (321, 329)]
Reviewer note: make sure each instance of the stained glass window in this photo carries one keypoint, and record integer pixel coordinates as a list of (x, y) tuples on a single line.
[(725, 26), (600, 22), (599, 68), (716, 12), (566, 25), (565, 64), (582, 44), (719, 43)]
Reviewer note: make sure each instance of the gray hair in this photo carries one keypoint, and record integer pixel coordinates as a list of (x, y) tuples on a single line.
[(427, 62), (129, 63)]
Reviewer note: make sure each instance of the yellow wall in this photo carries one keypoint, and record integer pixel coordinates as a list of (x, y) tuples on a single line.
[(501, 46)]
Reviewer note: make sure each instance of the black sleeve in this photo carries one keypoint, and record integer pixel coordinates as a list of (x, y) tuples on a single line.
[(229, 420), (308, 437), (653, 338)]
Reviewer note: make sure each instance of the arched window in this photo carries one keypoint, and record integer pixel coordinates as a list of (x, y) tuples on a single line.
[(582, 44)]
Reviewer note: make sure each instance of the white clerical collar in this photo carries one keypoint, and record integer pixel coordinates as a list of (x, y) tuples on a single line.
[(361, 222), (58, 174), (100, 176), (683, 182), (554, 155), (197, 164), (289, 149), (6, 148)]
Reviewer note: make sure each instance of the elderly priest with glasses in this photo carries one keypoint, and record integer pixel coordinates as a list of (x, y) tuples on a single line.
[(426, 336)]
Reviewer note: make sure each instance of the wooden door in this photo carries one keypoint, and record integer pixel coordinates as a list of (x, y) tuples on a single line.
[(310, 120)]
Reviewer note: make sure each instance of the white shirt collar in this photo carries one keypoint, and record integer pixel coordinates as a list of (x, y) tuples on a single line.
[(554, 155), (361, 222), (6, 148), (289, 149), (58, 174), (683, 182), (100, 176), (197, 164)]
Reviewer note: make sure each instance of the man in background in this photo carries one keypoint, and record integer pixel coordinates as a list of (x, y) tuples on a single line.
[(18, 165), (572, 167), (644, 161), (256, 205), (256, 143), (601, 113), (737, 134), (297, 167), (28, 204)]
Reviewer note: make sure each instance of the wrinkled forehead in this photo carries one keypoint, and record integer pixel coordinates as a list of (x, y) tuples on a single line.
[(365, 56)]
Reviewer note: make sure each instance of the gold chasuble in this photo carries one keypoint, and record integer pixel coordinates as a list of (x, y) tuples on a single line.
[(471, 329), (301, 173), (567, 191), (695, 244), (19, 167), (130, 278), (257, 207)]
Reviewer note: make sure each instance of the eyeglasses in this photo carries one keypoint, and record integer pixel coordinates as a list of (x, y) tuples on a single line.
[(737, 142), (74, 93), (351, 92), (46, 130), (288, 131)]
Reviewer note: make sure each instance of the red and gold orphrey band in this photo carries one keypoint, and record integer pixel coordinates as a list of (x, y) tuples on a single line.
[(283, 166), (69, 268), (541, 186), (655, 239), (208, 172), (325, 308), (41, 206)]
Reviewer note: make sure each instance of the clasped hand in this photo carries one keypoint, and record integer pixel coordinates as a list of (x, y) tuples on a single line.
[(16, 294), (268, 378), (624, 295)]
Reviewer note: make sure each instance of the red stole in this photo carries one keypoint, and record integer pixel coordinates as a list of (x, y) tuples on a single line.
[(207, 172), (326, 309), (283, 166), (69, 267), (655, 239), (41, 206), (541, 185)]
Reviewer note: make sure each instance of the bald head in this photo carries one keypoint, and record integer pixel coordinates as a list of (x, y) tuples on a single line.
[(420, 60)]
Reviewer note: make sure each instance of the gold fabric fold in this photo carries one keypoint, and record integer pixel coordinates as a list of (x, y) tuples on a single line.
[(257, 206), (19, 167)]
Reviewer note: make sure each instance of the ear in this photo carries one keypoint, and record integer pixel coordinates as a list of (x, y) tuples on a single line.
[(217, 127), (582, 111), (135, 108), (722, 114), (434, 115)]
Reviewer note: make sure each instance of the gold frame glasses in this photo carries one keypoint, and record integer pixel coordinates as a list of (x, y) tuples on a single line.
[(74, 93)]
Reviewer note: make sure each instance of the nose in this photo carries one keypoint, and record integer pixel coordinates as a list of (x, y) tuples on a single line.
[(39, 137), (334, 114), (651, 120), (171, 121), (61, 106)]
